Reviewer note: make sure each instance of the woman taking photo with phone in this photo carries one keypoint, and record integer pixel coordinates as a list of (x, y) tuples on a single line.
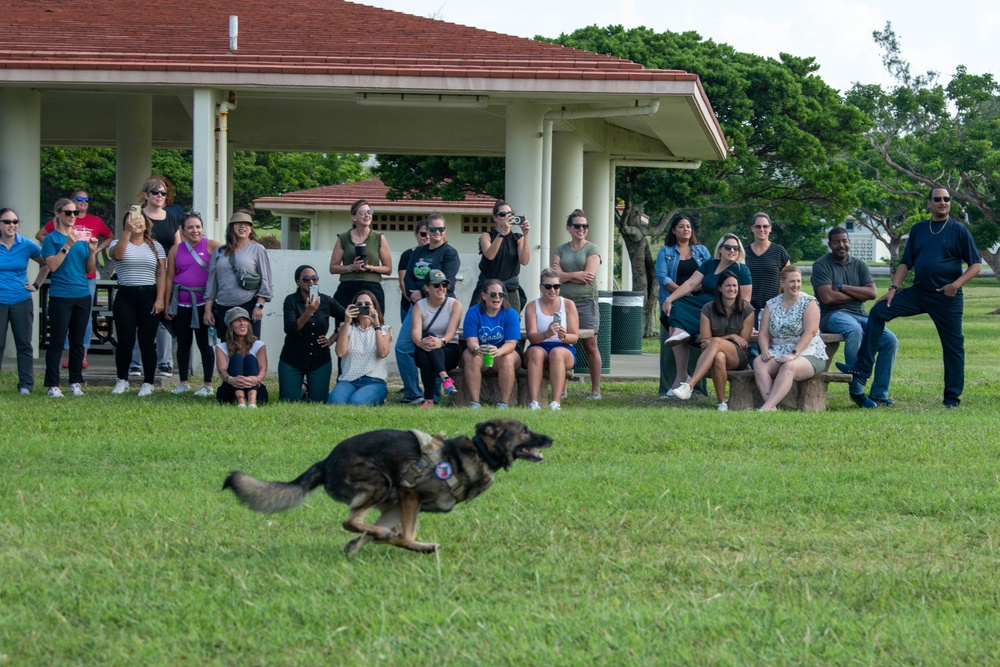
[(360, 257), (553, 330), (16, 306), (305, 356), (363, 347), (70, 254)]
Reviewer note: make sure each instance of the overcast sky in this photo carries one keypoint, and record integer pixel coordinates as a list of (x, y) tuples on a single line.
[(934, 35)]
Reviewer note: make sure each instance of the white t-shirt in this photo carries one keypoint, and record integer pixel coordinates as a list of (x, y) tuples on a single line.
[(138, 267)]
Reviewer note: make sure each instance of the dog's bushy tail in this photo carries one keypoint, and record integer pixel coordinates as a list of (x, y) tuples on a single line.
[(271, 497)]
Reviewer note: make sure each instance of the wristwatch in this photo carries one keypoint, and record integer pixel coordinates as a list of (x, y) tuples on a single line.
[(840, 287), (260, 305), (894, 287)]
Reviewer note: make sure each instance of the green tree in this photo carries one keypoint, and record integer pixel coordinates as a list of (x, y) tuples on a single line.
[(933, 134)]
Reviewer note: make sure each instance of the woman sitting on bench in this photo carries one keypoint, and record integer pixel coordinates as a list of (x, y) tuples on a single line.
[(553, 329), (492, 333)]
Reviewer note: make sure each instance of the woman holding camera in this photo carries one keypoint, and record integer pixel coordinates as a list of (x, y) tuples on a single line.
[(553, 328), (363, 347), (239, 275), (492, 333), (505, 250), (361, 257), (305, 356)]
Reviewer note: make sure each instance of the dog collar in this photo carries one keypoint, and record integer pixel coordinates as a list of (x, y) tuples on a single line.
[(484, 453)]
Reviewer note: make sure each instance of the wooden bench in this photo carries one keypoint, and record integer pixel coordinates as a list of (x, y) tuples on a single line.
[(489, 392), (805, 396)]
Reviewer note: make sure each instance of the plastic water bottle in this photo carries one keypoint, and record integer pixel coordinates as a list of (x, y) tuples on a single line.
[(213, 338)]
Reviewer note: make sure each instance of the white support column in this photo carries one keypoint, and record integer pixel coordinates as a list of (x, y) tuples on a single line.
[(20, 165), (567, 188), (134, 154), (228, 203), (203, 133), (524, 184), (599, 203), (290, 239)]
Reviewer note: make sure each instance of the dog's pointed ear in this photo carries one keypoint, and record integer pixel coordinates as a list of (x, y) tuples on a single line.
[(488, 429)]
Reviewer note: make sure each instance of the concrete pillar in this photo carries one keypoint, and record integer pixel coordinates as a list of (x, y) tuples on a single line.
[(523, 189), (204, 167), (20, 165), (599, 203), (567, 188), (134, 154)]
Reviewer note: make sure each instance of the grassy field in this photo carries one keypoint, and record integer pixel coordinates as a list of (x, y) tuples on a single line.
[(651, 534)]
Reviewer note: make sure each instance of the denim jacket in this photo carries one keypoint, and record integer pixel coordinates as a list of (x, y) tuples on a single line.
[(667, 261)]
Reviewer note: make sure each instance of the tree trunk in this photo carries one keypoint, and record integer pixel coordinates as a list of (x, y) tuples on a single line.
[(635, 241), (993, 260)]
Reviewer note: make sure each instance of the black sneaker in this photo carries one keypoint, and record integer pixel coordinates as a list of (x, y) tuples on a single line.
[(135, 372), (165, 370), (851, 370), (883, 402), (951, 404), (863, 401)]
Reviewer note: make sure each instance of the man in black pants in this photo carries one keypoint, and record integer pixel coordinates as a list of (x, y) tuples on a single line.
[(935, 251)]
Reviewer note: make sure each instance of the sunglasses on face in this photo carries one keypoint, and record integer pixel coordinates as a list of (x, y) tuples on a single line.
[(10, 222), (82, 199), (552, 286), (436, 230), (368, 212), (309, 279), (940, 199), (444, 285), (731, 248), (762, 226), (579, 226), (497, 295), (504, 214), (423, 235), (162, 193), (70, 213)]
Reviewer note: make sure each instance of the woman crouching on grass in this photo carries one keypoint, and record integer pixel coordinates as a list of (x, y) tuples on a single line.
[(241, 360), (726, 325)]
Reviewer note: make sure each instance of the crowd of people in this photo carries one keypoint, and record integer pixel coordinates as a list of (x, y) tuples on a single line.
[(738, 308)]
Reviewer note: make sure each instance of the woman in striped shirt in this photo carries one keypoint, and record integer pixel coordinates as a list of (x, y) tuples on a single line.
[(141, 267)]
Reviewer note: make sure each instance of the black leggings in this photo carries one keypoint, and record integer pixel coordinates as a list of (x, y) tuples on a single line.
[(185, 334), (433, 363), (134, 319), (66, 315)]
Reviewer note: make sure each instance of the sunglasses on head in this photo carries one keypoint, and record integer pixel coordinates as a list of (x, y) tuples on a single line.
[(162, 193), (432, 230), (939, 199), (731, 248), (71, 213), (192, 214), (309, 279), (82, 199), (576, 225), (552, 286), (497, 295)]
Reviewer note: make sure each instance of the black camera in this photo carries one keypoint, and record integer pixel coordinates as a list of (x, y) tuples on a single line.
[(361, 250), (516, 220)]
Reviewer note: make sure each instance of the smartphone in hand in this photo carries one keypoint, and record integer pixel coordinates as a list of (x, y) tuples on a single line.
[(313, 292)]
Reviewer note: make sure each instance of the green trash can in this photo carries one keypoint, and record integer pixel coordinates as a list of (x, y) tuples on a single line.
[(604, 302), (626, 322)]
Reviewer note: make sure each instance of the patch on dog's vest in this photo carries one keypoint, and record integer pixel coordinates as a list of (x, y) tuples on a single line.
[(443, 470)]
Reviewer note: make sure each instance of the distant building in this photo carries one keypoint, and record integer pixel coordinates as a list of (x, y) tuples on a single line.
[(864, 245)]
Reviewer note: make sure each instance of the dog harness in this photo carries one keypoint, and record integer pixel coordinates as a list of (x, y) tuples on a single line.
[(430, 449)]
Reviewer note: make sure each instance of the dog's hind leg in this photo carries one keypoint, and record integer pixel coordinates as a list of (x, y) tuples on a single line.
[(388, 519), (355, 521), (409, 504)]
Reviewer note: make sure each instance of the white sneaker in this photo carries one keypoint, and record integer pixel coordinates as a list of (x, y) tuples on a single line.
[(594, 396), (252, 406), (534, 406), (475, 405), (554, 406), (242, 406), (55, 392), (564, 396), (683, 392), (121, 386), (76, 389), (145, 390), (677, 339), (203, 392), (180, 389), (502, 406), (723, 407)]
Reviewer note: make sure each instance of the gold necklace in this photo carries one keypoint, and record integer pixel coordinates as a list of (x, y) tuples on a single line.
[(930, 226)]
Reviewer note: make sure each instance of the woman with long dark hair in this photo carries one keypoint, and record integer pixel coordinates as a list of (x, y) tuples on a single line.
[(504, 249), (360, 257), (239, 274), (363, 347), (241, 360), (16, 306)]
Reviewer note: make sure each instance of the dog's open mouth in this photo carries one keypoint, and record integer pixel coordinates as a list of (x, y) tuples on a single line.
[(529, 451)]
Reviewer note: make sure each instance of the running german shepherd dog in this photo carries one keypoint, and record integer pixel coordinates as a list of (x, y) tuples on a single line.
[(400, 473)]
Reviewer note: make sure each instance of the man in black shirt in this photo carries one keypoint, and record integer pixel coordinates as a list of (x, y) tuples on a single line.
[(936, 250)]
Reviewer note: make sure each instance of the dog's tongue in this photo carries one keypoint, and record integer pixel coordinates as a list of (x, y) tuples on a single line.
[(530, 455)]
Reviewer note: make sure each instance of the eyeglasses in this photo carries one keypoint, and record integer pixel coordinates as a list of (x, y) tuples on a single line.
[(436, 230), (71, 213), (552, 286), (939, 199), (423, 235), (366, 212), (10, 222), (497, 295), (162, 193), (731, 248), (309, 279), (578, 226), (442, 285), (504, 214), (83, 199), (762, 226)]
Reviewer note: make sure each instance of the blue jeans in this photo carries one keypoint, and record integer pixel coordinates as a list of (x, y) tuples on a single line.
[(290, 382), (404, 360), (363, 391), (852, 328)]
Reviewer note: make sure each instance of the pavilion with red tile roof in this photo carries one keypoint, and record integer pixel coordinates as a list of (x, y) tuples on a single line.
[(332, 75)]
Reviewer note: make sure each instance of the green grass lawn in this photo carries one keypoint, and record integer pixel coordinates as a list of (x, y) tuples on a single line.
[(651, 534)]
